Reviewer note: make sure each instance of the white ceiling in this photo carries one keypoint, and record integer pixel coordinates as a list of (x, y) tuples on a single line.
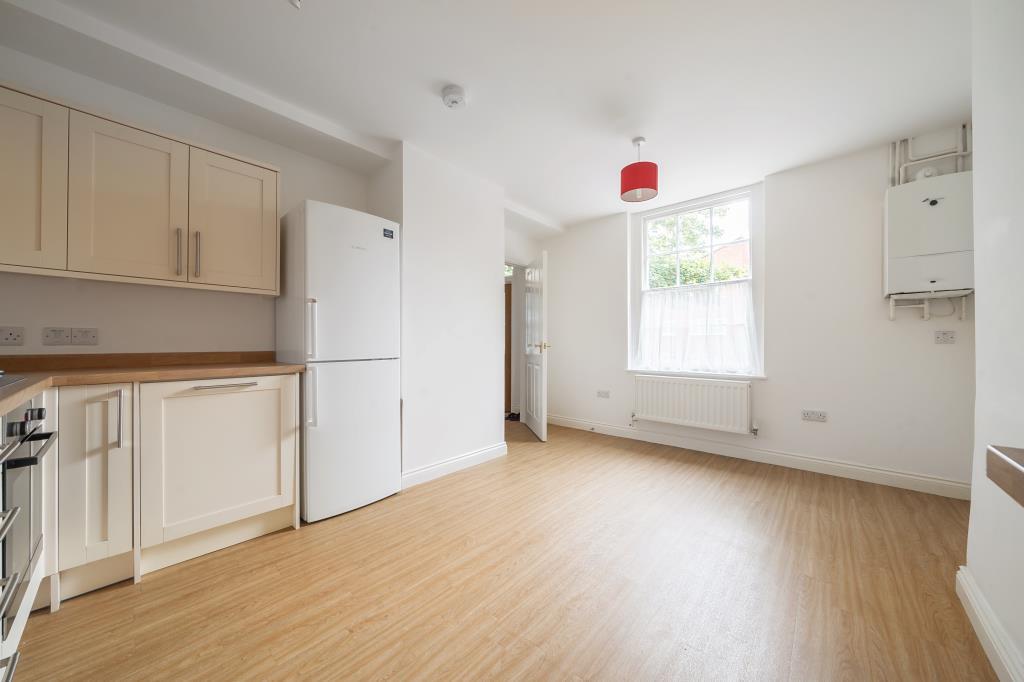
[(724, 91)]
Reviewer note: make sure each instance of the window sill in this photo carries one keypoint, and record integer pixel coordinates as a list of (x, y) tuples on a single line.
[(698, 375)]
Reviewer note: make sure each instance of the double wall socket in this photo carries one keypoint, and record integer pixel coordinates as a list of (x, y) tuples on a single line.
[(604, 394), (56, 336), (814, 415), (85, 336), (948, 336), (12, 336), (70, 336)]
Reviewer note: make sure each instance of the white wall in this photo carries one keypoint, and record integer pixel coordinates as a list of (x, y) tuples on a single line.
[(140, 318), (520, 247), (995, 546), (452, 316), (896, 401)]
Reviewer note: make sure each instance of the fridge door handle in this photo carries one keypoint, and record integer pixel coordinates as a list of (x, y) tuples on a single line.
[(311, 406), (311, 342)]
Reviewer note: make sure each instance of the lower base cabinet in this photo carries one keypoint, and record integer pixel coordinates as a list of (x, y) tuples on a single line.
[(94, 473), (214, 452)]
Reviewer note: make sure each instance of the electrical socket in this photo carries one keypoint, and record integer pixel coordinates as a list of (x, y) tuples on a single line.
[(85, 336), (604, 394), (12, 336), (56, 336), (945, 336), (814, 415)]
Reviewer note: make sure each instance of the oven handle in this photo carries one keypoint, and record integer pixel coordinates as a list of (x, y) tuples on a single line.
[(12, 663), (33, 460), (10, 587), (13, 447), (9, 516)]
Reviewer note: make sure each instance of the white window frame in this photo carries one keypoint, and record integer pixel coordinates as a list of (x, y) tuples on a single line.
[(637, 254)]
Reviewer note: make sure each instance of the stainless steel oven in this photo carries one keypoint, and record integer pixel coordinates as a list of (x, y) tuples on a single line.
[(23, 447)]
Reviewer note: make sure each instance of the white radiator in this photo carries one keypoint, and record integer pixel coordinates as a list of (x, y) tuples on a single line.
[(717, 404)]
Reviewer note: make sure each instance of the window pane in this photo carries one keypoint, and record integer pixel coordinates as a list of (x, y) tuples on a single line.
[(732, 261), (694, 267), (732, 221), (694, 228), (661, 235), (661, 271)]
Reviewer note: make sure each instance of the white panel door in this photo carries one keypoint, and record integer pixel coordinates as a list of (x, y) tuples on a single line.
[(215, 451), (535, 400), (33, 181), (352, 282), (95, 473), (352, 452)]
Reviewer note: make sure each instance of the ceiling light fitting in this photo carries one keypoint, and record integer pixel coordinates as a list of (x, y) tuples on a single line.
[(639, 180), (297, 4)]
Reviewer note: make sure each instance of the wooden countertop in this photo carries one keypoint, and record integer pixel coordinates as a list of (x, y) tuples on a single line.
[(34, 382), (1005, 466)]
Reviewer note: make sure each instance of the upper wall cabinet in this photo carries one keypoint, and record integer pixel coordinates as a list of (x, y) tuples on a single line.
[(33, 181), (83, 196), (127, 201), (232, 222)]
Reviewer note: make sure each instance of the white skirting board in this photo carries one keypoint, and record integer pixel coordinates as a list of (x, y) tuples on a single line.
[(1006, 659), (452, 464), (859, 472)]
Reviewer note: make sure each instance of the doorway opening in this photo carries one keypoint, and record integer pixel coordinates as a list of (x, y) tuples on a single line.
[(512, 343), (526, 345)]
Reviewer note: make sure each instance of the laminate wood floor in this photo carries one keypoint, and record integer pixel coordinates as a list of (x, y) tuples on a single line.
[(588, 557)]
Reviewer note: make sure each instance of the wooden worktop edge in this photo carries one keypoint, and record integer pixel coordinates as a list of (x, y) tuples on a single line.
[(37, 382), (19, 364), (1005, 467)]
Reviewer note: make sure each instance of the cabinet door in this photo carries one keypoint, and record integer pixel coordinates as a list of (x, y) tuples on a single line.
[(233, 230), (33, 181), (127, 201), (214, 452), (95, 473)]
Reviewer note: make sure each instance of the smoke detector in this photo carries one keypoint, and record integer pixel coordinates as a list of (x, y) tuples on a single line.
[(297, 4), (453, 96)]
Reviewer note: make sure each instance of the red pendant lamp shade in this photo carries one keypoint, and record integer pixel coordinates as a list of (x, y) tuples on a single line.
[(639, 180)]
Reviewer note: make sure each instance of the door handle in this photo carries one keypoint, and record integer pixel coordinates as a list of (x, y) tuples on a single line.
[(120, 419), (177, 268), (246, 384), (311, 407), (197, 253), (312, 305)]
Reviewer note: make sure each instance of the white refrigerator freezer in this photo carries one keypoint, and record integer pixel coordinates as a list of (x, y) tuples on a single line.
[(339, 313)]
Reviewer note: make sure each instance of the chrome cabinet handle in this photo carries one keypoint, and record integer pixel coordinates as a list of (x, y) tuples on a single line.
[(9, 517), (197, 253), (177, 268), (312, 304), (10, 586), (247, 384), (120, 419), (311, 408), (12, 663)]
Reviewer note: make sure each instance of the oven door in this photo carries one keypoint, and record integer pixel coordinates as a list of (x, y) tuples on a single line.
[(21, 517)]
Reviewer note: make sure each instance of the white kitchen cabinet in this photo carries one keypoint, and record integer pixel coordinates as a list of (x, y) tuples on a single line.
[(127, 201), (33, 181), (88, 197), (233, 228), (214, 452), (94, 473)]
